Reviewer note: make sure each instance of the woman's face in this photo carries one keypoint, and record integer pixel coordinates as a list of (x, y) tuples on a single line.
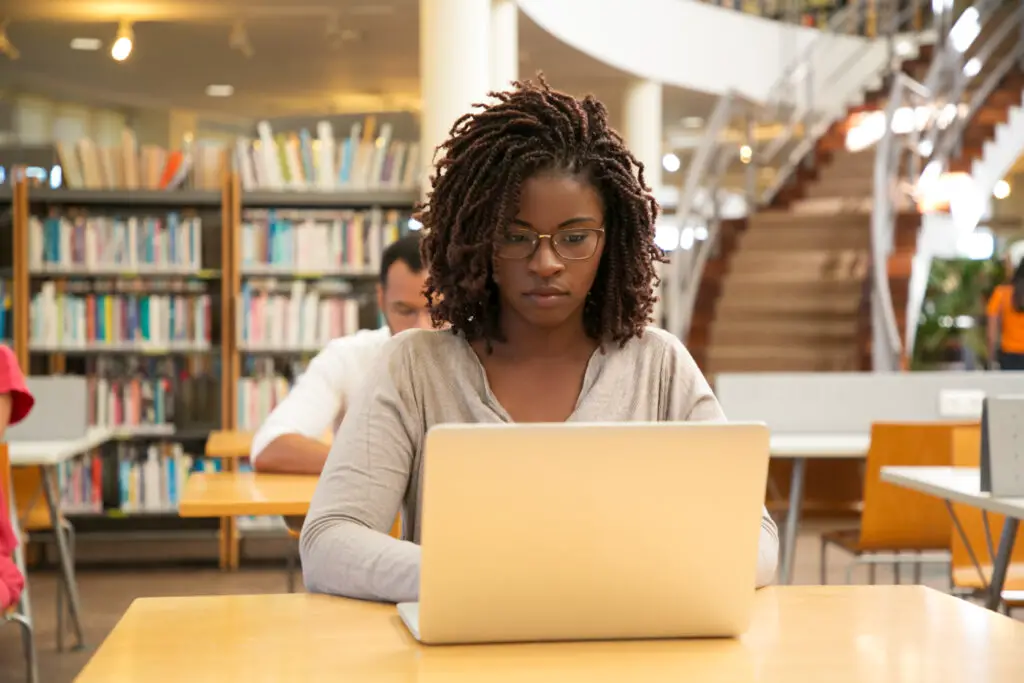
[(546, 260)]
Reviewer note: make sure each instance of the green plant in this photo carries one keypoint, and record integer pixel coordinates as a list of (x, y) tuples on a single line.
[(952, 315)]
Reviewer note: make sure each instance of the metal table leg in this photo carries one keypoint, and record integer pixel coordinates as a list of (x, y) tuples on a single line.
[(49, 476), (1001, 563), (796, 499)]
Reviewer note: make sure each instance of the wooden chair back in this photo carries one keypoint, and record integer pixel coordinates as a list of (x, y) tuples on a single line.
[(895, 518), (972, 522), (27, 485)]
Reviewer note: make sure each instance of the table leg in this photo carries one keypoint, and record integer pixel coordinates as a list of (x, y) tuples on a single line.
[(67, 565), (796, 499), (1001, 563)]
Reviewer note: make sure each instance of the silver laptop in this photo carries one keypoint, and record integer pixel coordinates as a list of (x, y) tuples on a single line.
[(588, 531)]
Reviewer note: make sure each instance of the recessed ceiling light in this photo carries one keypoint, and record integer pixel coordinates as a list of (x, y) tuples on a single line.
[(220, 90), (88, 44), (693, 121)]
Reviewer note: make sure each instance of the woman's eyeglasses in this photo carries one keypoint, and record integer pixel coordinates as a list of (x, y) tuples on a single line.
[(575, 244)]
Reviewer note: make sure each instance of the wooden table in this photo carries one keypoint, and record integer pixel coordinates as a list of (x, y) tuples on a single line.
[(800, 448), (227, 494), (228, 444), (963, 485), (838, 634)]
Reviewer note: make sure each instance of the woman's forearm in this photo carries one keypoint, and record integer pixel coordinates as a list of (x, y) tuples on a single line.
[(345, 558)]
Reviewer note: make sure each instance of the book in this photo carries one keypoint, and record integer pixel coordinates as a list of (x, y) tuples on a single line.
[(133, 478), (331, 242), (294, 315), (78, 242), (200, 165), (368, 159), (120, 315), (264, 384)]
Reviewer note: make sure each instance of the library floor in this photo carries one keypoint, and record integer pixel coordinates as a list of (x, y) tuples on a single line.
[(106, 595)]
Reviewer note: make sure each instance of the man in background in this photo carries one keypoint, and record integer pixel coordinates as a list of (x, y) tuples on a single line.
[(290, 441)]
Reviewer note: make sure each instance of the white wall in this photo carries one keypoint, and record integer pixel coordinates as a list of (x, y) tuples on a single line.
[(41, 121), (701, 47)]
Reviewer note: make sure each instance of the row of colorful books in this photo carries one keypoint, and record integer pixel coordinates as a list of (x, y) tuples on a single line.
[(135, 478), (155, 320), (329, 241), (367, 159), (86, 165), (136, 243), (266, 382), (302, 317)]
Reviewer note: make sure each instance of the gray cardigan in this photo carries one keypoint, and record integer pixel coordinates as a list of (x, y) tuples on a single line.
[(426, 378)]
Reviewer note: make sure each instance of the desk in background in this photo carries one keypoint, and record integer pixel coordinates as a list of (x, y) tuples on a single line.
[(853, 634), (963, 485), (47, 455), (800, 448)]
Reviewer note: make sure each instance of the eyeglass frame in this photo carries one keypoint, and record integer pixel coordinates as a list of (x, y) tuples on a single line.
[(537, 240)]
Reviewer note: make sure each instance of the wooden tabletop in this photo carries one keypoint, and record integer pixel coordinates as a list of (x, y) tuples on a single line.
[(228, 444), (838, 634), (226, 494)]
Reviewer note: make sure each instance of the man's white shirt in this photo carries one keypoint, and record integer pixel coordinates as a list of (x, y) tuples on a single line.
[(325, 390)]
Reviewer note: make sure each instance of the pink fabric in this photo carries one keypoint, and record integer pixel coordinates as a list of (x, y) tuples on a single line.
[(11, 382)]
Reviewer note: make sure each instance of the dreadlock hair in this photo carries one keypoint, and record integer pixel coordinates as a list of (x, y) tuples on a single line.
[(475, 193)]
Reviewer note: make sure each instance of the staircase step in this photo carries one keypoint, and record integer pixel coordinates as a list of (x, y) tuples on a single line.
[(772, 220), (752, 287), (807, 239), (788, 358), (771, 266), (730, 307), (853, 187), (809, 330)]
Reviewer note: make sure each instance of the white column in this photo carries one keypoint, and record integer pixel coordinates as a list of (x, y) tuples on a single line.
[(642, 127), (504, 43), (454, 67)]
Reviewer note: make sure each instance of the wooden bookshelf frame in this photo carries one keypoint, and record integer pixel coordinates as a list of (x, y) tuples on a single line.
[(231, 200)]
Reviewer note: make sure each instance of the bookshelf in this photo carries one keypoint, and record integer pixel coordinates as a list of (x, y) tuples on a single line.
[(155, 296)]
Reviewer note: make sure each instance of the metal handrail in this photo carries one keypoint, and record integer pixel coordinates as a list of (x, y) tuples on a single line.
[(946, 82)]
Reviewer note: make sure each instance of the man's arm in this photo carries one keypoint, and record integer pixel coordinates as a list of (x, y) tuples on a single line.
[(289, 440), (292, 454)]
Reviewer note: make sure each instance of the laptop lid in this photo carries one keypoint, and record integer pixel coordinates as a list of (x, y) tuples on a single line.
[(60, 411), (590, 531)]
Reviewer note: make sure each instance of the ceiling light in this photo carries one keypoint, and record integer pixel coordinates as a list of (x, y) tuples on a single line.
[(746, 154), (972, 67), (220, 90), (904, 48), (1001, 190), (670, 162), (86, 44), (692, 121), (124, 43)]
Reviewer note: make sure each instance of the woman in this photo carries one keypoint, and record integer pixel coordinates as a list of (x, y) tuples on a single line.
[(539, 247), (1006, 322)]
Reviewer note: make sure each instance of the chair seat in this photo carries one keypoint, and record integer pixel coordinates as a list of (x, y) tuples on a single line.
[(850, 541), (967, 577), (847, 539)]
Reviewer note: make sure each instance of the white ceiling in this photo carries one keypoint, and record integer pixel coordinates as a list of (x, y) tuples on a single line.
[(368, 62)]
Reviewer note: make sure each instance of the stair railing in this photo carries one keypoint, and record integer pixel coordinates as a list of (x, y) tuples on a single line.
[(802, 124), (924, 126)]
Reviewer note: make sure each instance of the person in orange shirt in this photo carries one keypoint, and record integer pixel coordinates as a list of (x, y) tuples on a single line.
[(1006, 322)]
